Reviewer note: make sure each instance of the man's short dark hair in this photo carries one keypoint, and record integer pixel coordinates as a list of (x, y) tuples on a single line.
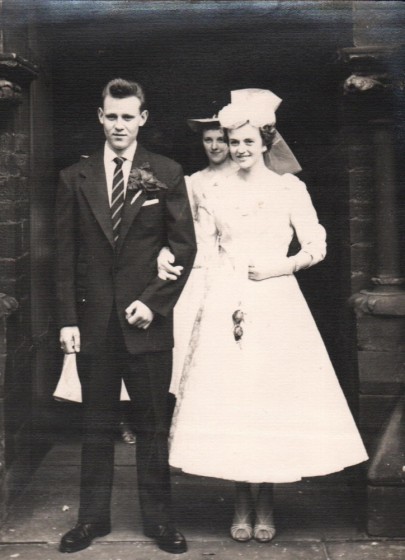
[(120, 89)]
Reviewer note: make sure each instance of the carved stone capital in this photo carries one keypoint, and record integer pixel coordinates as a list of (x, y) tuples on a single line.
[(359, 83), (10, 93), (7, 305), (372, 69), (17, 69)]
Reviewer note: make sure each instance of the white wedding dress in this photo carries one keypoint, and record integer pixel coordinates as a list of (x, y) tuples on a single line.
[(268, 409)]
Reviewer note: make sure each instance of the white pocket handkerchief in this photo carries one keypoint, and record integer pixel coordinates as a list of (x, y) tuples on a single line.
[(149, 202)]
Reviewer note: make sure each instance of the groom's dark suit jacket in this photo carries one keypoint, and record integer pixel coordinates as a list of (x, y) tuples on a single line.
[(93, 275)]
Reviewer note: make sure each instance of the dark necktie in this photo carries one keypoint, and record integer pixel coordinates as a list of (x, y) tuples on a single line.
[(117, 197)]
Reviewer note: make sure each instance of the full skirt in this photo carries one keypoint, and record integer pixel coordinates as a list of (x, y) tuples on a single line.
[(268, 409)]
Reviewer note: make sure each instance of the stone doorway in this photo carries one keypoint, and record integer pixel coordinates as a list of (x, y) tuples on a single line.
[(186, 54)]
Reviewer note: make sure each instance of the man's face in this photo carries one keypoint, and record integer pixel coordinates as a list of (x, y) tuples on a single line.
[(121, 119)]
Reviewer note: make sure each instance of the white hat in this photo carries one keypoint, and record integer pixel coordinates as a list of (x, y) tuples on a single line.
[(258, 108)]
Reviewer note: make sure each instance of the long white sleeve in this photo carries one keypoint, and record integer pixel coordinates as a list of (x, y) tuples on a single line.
[(304, 219)]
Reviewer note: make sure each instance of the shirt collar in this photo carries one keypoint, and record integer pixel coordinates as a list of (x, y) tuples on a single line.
[(128, 154)]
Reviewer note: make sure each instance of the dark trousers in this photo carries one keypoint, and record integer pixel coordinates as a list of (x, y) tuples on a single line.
[(147, 378)]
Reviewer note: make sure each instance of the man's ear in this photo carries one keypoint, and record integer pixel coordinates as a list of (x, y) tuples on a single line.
[(144, 117), (100, 114)]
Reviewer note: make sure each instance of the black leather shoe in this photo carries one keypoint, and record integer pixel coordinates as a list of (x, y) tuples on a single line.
[(81, 535), (127, 434), (168, 538)]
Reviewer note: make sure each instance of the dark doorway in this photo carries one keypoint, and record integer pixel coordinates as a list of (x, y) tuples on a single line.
[(187, 55)]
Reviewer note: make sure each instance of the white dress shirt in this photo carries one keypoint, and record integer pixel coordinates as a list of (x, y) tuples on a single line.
[(109, 165)]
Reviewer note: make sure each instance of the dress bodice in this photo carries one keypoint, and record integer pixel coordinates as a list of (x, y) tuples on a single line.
[(203, 185), (205, 181), (243, 221)]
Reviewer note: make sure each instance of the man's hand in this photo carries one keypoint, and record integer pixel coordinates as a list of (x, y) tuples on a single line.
[(278, 267), (166, 270), (139, 315), (70, 339)]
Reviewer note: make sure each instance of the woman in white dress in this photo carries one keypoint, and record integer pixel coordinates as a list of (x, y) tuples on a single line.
[(207, 180), (259, 401)]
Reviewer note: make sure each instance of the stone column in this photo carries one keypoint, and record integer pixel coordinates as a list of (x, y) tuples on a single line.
[(7, 306), (388, 265), (387, 296), (371, 92)]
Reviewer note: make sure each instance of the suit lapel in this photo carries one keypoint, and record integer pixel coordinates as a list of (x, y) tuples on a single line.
[(94, 187), (132, 205)]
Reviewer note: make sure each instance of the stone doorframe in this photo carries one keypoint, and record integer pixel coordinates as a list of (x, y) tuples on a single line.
[(374, 127), (16, 75)]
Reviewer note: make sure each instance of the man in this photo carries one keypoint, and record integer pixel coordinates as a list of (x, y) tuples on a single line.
[(115, 210)]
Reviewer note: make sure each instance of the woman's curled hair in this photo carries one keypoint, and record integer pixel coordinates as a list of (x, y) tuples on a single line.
[(268, 132)]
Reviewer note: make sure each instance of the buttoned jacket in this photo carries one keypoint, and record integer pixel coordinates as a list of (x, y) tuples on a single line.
[(93, 273)]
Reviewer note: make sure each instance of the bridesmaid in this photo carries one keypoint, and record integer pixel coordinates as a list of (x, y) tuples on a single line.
[(198, 185)]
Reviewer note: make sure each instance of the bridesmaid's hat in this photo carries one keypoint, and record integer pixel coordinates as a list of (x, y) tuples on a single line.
[(197, 125), (212, 108)]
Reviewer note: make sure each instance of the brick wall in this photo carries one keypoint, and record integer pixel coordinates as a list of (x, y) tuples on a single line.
[(14, 215), (15, 342)]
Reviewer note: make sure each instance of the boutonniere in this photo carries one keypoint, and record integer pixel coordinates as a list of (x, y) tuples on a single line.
[(142, 179)]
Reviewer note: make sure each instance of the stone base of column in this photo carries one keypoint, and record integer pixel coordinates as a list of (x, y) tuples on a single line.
[(386, 511), (384, 300), (384, 307), (386, 479)]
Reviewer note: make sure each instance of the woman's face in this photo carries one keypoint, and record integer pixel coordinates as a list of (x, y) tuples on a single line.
[(215, 146), (246, 145)]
